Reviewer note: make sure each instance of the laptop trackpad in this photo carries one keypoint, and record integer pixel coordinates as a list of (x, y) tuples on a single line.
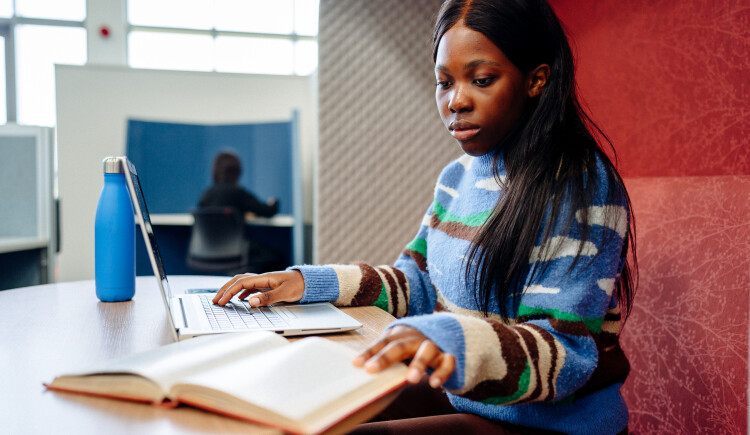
[(294, 311)]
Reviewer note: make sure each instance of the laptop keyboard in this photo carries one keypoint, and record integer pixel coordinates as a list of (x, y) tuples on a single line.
[(237, 314)]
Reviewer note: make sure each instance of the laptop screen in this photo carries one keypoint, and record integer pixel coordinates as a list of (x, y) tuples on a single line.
[(142, 218)]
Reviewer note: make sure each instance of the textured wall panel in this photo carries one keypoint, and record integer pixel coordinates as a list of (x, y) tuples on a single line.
[(381, 142), (667, 80)]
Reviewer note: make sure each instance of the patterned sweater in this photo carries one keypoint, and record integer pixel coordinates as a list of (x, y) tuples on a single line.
[(557, 365)]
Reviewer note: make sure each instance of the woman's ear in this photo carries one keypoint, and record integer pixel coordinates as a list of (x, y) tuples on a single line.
[(537, 79)]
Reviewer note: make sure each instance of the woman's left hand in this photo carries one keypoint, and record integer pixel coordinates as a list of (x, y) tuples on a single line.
[(403, 342)]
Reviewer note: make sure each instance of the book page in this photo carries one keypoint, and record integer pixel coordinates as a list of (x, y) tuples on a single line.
[(167, 364), (294, 381)]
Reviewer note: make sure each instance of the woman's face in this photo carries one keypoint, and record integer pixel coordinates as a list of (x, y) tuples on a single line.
[(480, 94)]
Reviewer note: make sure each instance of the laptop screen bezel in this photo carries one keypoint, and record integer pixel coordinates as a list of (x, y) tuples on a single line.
[(143, 220)]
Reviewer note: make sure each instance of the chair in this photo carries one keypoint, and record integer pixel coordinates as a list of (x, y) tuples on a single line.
[(217, 242), (687, 337)]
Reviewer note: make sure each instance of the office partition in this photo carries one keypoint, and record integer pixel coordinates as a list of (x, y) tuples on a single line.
[(174, 162), (28, 212)]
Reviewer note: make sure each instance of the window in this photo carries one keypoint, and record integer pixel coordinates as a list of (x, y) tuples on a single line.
[(71, 10), (187, 14), (244, 36), (6, 8), (164, 50), (254, 55), (38, 49), (40, 34)]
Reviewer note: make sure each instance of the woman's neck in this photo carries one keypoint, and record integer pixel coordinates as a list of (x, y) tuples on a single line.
[(483, 165)]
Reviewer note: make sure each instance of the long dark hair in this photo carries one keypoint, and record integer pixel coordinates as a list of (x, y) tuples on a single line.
[(550, 157)]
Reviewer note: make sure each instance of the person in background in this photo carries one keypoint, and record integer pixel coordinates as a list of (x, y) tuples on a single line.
[(226, 192), (511, 296)]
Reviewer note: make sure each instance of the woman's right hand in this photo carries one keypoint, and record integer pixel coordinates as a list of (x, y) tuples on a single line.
[(266, 289)]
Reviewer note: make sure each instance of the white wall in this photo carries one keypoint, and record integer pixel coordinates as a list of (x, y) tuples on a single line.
[(94, 103)]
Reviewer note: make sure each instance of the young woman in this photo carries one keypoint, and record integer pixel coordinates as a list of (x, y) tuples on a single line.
[(510, 295)]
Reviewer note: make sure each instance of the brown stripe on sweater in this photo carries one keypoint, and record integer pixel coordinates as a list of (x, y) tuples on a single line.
[(533, 349), (454, 229), (403, 284), (439, 306), (552, 343), (369, 287), (515, 360), (612, 316), (611, 325), (569, 327), (418, 258), (392, 286)]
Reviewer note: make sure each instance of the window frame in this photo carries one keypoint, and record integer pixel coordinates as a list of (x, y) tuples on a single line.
[(213, 33), (294, 37), (8, 30)]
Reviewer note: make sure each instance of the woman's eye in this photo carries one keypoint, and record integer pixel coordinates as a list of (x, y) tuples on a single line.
[(443, 84), (484, 82)]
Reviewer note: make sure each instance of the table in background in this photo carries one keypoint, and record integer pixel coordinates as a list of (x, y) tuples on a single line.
[(52, 329)]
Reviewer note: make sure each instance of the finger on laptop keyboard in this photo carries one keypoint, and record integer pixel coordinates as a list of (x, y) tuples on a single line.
[(228, 284), (287, 286), (247, 282)]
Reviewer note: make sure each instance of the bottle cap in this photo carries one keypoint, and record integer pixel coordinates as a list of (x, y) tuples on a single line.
[(113, 165)]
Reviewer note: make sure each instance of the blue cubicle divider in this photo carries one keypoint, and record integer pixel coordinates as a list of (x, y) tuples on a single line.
[(174, 163)]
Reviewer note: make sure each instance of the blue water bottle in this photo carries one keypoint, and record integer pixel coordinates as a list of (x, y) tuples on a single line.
[(114, 237)]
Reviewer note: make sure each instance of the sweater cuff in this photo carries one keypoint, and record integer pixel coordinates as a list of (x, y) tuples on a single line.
[(321, 283), (447, 334)]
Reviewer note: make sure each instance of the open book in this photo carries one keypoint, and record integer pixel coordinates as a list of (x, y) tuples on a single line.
[(306, 386)]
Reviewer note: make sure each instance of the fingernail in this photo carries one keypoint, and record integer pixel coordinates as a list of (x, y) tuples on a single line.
[(372, 366), (359, 360), (255, 301), (413, 376), (435, 382)]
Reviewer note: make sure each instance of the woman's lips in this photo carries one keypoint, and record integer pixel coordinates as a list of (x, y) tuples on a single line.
[(463, 130)]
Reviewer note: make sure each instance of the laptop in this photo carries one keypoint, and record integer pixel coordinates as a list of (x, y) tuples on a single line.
[(194, 314)]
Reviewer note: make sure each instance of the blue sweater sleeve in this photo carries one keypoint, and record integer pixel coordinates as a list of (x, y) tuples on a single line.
[(402, 289)]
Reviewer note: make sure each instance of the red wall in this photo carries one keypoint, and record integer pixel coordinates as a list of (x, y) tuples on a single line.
[(668, 81)]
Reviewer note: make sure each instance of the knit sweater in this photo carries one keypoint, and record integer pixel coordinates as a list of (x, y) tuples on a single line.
[(557, 364)]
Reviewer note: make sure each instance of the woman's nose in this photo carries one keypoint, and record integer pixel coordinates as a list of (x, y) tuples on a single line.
[(459, 101)]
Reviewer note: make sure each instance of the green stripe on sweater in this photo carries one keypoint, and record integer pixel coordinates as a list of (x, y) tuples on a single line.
[(418, 245), (523, 387), (382, 301), (593, 324), (472, 220)]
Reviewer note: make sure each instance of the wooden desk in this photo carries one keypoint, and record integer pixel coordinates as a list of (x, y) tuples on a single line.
[(52, 329)]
